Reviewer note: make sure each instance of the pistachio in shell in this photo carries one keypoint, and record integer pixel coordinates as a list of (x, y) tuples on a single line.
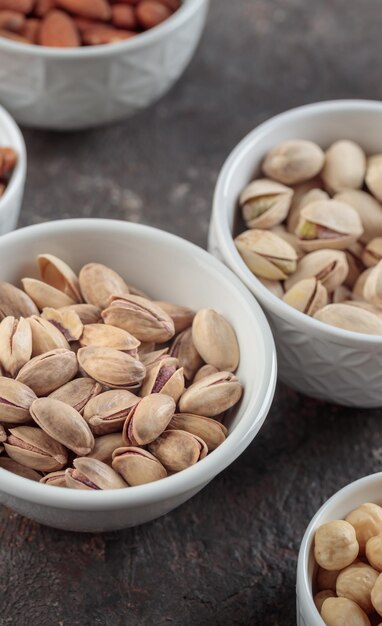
[(328, 266), (32, 447), (111, 367), (55, 479), (308, 296), (372, 290), (107, 336), (205, 370), (137, 466), (164, 377), (14, 302), (15, 344), (49, 371), (107, 412), (350, 318), (98, 282), (77, 393), (328, 224), (148, 419), (16, 468), (66, 321), (211, 395), (178, 449), (212, 432), (303, 194), (368, 209), (293, 161), (92, 474), (45, 336), (373, 177), (184, 350), (104, 447), (265, 203), (215, 340), (290, 238), (182, 316), (372, 253), (15, 401), (344, 167), (44, 295), (141, 317), (88, 313), (266, 254), (360, 284), (58, 274)]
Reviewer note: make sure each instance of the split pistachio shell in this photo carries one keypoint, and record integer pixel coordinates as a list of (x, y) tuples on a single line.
[(328, 266), (49, 371), (66, 321), (294, 161), (164, 377), (300, 193), (142, 318), (137, 466), (98, 283), (372, 290), (354, 259), (182, 316), (152, 358), (148, 419), (15, 344), (111, 367), (16, 468), (107, 412), (307, 296), (45, 336), (44, 295), (372, 253), (328, 224), (88, 313), (215, 340), (274, 286), (32, 447), (350, 318), (58, 274), (360, 284), (368, 209), (345, 166), (64, 424), (265, 203), (212, 432), (373, 176), (104, 447), (77, 392), (15, 302), (93, 474), (178, 449), (184, 350), (56, 479), (107, 336), (212, 395), (205, 370), (15, 401), (266, 254)]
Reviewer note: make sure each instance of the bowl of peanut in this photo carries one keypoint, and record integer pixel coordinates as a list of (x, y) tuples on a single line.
[(68, 65), (13, 165), (298, 217), (134, 368)]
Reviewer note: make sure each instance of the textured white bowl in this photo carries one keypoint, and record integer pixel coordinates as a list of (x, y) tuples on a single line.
[(368, 489), (172, 269), (10, 201), (316, 359), (66, 89)]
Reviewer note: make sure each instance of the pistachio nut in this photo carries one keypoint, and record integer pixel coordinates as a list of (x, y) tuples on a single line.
[(328, 266), (215, 340), (350, 318), (14, 302), (92, 474), (211, 395), (266, 254), (360, 284), (368, 209), (372, 253), (107, 336), (104, 447), (77, 392), (49, 371), (15, 344), (183, 349), (111, 367), (178, 449), (205, 370), (290, 238), (66, 321), (32, 447), (148, 419), (152, 358), (182, 316), (98, 283), (293, 161), (164, 377), (107, 412), (300, 193), (88, 313), (212, 432), (274, 286), (15, 401), (63, 423), (344, 167), (307, 296), (44, 295), (45, 336), (341, 294), (58, 274), (265, 203), (328, 224), (56, 479), (137, 466), (354, 259), (373, 176), (12, 466), (140, 317), (372, 291)]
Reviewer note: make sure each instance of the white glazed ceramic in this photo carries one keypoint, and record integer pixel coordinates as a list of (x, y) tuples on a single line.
[(368, 489), (78, 88), (168, 268), (10, 201), (316, 359)]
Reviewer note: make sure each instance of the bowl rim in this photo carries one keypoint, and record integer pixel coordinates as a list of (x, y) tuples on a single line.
[(18, 175), (177, 19), (200, 473), (221, 212), (303, 580)]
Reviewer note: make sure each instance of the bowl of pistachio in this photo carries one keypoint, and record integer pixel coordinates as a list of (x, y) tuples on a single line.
[(298, 217), (134, 368)]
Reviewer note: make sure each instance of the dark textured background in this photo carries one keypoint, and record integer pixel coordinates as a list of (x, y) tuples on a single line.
[(228, 556)]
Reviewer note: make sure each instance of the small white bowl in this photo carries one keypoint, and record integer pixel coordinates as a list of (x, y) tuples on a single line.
[(66, 89), (368, 489), (10, 201), (316, 359), (172, 269)]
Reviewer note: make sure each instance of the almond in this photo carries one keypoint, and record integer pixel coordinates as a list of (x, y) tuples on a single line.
[(94, 9), (31, 29), (12, 20), (21, 6), (101, 35), (42, 7), (123, 16), (150, 13), (58, 31)]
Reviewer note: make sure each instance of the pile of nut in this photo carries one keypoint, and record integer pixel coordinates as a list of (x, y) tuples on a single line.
[(102, 387), (8, 160), (73, 23), (349, 579), (314, 233)]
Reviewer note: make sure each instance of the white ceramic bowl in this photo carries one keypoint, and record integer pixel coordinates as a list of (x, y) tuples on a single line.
[(168, 268), (316, 359), (66, 89), (10, 201), (368, 489)]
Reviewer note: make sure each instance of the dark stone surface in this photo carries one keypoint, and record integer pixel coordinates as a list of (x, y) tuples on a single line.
[(228, 556)]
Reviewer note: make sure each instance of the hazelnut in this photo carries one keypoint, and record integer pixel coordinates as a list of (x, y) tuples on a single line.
[(321, 596), (376, 595), (335, 545), (356, 582), (374, 551), (367, 522), (343, 612)]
